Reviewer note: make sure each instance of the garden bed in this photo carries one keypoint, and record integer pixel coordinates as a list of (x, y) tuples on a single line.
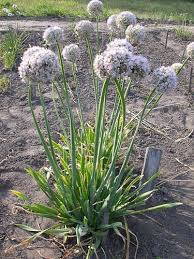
[(167, 234)]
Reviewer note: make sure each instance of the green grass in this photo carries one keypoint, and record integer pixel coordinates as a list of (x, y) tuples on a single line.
[(154, 9), (183, 33), (11, 46)]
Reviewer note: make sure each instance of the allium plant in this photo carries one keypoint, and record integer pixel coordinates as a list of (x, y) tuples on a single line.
[(88, 193), (71, 53), (84, 29), (177, 67), (118, 62), (111, 23), (117, 43), (190, 50), (39, 65), (165, 78), (141, 65), (53, 36), (95, 8), (124, 19), (135, 34)]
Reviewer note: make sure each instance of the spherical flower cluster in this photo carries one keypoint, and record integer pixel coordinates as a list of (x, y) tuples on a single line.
[(111, 23), (99, 68), (135, 34), (118, 62), (117, 43), (95, 7), (71, 53), (53, 35), (30, 51), (141, 65), (124, 19), (84, 29), (41, 66), (177, 67), (165, 78), (190, 50)]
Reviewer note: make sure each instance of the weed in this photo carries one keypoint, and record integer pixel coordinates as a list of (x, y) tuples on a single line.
[(182, 32), (4, 83), (11, 46)]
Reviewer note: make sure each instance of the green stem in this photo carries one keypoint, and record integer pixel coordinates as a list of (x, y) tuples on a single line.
[(122, 100), (78, 98), (71, 120), (56, 111), (49, 151), (97, 28), (133, 140), (91, 58), (99, 123), (184, 63), (116, 109)]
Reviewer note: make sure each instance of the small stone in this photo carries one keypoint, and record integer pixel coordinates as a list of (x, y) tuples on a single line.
[(165, 109), (23, 97)]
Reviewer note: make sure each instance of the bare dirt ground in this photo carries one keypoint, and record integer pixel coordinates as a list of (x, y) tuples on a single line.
[(40, 24), (166, 235)]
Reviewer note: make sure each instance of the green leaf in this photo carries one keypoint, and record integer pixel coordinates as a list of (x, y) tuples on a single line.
[(27, 228), (42, 209), (113, 225), (155, 208), (20, 195)]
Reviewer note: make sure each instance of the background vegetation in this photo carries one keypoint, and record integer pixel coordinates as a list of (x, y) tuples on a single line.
[(154, 9)]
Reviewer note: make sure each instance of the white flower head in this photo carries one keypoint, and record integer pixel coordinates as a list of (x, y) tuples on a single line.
[(111, 23), (141, 65), (165, 78), (99, 68), (190, 50), (15, 6), (10, 14), (41, 66), (177, 67), (117, 43), (53, 35), (118, 62), (95, 8), (135, 34), (6, 10), (30, 51), (71, 53), (84, 29), (124, 19)]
